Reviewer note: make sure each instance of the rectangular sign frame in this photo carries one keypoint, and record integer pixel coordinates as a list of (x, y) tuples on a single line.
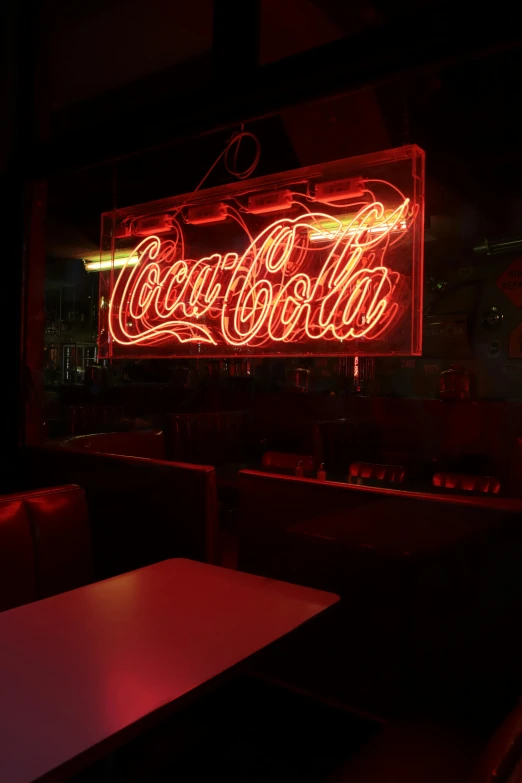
[(320, 261)]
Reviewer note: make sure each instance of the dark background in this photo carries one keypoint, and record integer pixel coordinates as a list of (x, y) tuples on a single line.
[(120, 102)]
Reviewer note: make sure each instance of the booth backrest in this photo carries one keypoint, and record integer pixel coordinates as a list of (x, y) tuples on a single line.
[(141, 510), (501, 761), (411, 752), (489, 485), (208, 438), (150, 445), (44, 544), (83, 419), (269, 505), (370, 470), (17, 564)]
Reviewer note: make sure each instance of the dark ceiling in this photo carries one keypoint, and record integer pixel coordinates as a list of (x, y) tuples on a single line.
[(464, 113)]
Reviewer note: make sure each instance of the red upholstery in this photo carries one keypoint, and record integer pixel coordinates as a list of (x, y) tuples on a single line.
[(503, 754), (17, 577), (426, 573), (60, 523), (369, 470), (141, 510), (380, 522), (487, 484), (131, 444), (280, 459), (208, 438), (44, 547), (411, 753), (83, 419)]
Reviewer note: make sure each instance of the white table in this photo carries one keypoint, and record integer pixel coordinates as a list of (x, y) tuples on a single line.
[(77, 668)]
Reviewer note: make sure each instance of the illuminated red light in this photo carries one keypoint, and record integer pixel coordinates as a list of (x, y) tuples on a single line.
[(273, 292), (459, 481), (261, 203), (322, 261), (339, 189), (211, 213)]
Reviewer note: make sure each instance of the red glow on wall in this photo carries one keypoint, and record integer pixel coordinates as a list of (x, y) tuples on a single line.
[(342, 279)]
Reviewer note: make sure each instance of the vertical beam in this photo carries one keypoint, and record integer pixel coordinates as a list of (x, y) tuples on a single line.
[(34, 312), (11, 185), (20, 26), (11, 324), (36, 119)]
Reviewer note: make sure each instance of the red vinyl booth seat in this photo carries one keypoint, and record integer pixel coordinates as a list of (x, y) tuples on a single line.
[(369, 470), (378, 521), (44, 544), (431, 753), (141, 510), (423, 573), (17, 575), (486, 484)]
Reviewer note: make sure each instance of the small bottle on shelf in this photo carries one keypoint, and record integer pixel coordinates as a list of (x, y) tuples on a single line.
[(299, 468), (321, 473)]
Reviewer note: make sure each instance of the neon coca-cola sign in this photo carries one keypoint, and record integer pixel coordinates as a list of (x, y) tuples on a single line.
[(340, 280)]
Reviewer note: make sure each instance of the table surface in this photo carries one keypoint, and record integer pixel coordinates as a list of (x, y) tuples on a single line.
[(402, 529), (81, 666)]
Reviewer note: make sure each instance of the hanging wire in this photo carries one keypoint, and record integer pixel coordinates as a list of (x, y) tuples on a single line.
[(229, 155), (232, 148)]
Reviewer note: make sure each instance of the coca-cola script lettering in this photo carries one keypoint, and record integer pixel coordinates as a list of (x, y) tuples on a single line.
[(296, 282)]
